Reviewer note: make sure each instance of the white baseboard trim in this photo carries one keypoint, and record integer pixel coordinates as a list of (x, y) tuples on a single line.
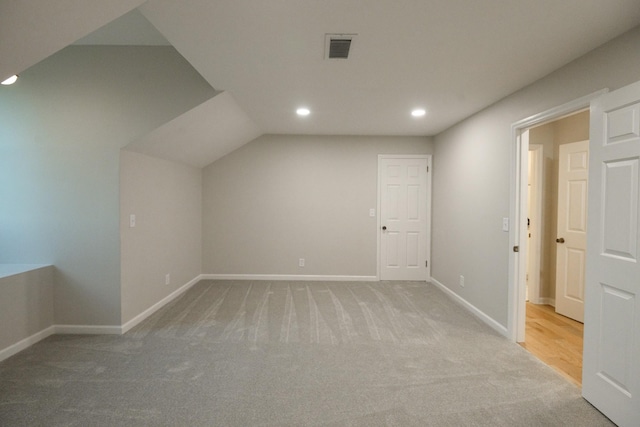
[(308, 278), (88, 330), (27, 342), (93, 329), (473, 309), (157, 306), (547, 301), (543, 301)]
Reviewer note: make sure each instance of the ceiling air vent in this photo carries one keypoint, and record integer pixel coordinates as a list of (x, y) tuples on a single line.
[(337, 46)]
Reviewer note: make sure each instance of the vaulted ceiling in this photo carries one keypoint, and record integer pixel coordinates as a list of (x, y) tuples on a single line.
[(450, 57)]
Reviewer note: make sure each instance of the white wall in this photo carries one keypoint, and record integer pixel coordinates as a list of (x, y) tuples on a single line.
[(61, 129), (26, 306), (166, 198), (281, 198), (472, 163), (544, 135)]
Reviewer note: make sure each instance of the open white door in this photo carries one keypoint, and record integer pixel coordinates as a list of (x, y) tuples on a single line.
[(573, 167), (405, 192), (611, 361)]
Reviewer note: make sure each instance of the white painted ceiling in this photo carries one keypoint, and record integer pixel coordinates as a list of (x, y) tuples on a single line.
[(201, 135), (451, 57), (131, 29), (31, 30)]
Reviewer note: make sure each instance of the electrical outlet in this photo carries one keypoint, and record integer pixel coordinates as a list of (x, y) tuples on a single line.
[(462, 281), (301, 262), (372, 213), (167, 279)]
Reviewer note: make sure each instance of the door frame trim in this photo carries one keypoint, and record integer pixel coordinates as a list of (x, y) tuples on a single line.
[(518, 212), (536, 221), (429, 183)]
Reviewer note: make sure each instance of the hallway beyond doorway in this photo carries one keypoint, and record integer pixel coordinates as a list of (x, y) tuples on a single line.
[(556, 340)]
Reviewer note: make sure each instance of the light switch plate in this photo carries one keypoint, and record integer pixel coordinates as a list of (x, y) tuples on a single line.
[(505, 224), (132, 220)]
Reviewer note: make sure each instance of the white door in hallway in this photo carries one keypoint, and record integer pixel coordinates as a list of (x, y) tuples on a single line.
[(611, 364), (571, 241), (404, 199)]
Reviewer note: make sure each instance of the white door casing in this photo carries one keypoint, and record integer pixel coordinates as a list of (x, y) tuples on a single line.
[(530, 252), (611, 360), (404, 205), (535, 231), (571, 241)]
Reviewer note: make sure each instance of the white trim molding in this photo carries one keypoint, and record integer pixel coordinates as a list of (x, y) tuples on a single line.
[(88, 329), (502, 330), (547, 301), (94, 329), (157, 306), (285, 277), (6, 353)]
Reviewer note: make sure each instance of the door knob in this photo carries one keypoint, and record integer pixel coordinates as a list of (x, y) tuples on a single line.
[(384, 228), (560, 240)]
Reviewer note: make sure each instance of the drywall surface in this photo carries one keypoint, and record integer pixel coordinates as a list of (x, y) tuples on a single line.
[(61, 129), (33, 30), (281, 198), (166, 237), (545, 135), (26, 304), (472, 162)]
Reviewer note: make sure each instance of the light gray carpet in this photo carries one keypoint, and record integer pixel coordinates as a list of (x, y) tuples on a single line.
[(292, 353)]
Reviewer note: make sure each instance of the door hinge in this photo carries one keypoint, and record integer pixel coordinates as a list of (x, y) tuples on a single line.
[(516, 249), (426, 263), (427, 169)]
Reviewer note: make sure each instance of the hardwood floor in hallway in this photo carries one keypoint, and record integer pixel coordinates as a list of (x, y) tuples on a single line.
[(556, 340)]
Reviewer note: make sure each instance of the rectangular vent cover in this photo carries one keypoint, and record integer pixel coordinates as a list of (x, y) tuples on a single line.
[(337, 46)]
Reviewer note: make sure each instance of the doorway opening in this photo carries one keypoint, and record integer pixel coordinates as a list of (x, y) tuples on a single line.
[(543, 133), (556, 242)]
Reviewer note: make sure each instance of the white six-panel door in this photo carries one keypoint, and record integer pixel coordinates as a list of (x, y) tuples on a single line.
[(611, 363), (571, 241), (404, 234)]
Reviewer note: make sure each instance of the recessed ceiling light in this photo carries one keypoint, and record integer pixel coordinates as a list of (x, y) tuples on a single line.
[(11, 80), (303, 111), (418, 112)]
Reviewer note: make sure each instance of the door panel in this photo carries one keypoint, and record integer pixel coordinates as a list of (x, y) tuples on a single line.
[(572, 229), (611, 372), (621, 208), (617, 308), (577, 215), (404, 237), (391, 257), (575, 263), (413, 249)]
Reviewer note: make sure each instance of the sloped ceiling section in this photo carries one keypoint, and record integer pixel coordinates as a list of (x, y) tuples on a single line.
[(32, 30), (196, 138), (130, 29), (202, 135), (450, 57)]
